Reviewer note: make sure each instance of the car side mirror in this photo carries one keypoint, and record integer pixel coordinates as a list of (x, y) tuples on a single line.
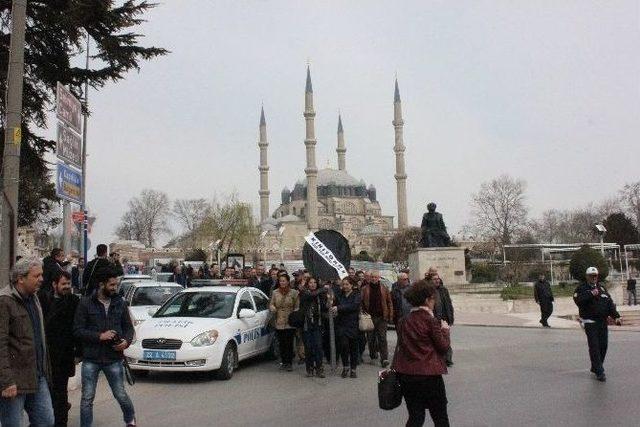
[(246, 313), (152, 311)]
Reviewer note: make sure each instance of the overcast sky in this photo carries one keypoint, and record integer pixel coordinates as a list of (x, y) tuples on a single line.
[(547, 91)]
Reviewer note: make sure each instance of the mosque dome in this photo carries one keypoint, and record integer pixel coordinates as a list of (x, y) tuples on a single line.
[(335, 177)]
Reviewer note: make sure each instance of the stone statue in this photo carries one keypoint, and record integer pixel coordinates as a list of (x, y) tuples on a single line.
[(434, 232)]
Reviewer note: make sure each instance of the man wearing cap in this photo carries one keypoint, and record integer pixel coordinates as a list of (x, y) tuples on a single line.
[(595, 306)]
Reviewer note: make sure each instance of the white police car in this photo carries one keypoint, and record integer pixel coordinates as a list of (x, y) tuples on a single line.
[(204, 329)]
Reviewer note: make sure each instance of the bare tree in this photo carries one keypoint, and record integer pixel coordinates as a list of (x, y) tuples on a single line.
[(190, 213), (630, 195), (231, 222), (498, 209), (146, 218)]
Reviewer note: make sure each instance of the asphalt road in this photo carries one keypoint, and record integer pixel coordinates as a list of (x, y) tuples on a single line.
[(502, 377)]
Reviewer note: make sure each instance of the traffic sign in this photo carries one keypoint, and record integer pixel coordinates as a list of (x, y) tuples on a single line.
[(68, 108), (77, 216), (68, 183), (69, 146)]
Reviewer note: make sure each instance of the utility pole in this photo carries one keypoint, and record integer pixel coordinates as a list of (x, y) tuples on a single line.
[(83, 208), (12, 140)]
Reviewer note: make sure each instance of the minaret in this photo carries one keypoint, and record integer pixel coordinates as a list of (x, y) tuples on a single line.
[(401, 175), (311, 170), (341, 150), (264, 169)]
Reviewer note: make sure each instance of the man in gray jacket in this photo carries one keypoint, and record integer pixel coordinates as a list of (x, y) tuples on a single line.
[(24, 362)]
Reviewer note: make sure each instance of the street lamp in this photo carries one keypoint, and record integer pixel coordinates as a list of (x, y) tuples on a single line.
[(600, 229), (280, 232)]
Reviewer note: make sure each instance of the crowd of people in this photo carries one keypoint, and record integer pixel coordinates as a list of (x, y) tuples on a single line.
[(46, 328)]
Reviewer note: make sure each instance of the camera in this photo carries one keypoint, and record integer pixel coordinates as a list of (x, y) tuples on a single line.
[(115, 340)]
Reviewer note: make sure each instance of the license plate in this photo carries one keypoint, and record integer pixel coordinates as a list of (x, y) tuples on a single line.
[(159, 355)]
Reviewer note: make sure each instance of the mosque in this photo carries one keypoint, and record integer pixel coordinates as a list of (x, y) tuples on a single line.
[(328, 198)]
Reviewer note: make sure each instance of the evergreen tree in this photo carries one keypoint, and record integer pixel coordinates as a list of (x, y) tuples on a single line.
[(620, 230), (56, 34)]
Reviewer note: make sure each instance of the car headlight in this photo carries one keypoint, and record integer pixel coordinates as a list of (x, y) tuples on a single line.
[(205, 339)]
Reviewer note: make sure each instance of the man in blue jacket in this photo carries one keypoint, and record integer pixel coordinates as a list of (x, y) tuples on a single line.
[(595, 306), (103, 325)]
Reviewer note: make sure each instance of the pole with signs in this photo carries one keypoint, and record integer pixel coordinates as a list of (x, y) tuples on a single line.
[(85, 240), (69, 181)]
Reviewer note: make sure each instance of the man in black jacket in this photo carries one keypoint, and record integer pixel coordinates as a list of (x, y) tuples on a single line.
[(100, 262), (268, 284), (50, 266), (595, 305), (103, 326), (443, 309), (544, 297), (59, 311), (631, 291)]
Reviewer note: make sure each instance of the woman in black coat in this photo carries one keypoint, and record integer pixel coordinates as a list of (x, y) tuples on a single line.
[(347, 306), (313, 303)]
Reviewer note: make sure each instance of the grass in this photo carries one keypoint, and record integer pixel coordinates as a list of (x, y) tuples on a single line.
[(526, 292)]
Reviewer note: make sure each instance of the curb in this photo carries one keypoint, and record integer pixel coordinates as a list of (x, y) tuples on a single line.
[(537, 327)]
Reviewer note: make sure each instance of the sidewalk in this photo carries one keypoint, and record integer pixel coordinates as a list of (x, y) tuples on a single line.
[(524, 320)]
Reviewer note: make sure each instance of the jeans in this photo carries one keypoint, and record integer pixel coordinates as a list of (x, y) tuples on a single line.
[(378, 338), (421, 393), (115, 377), (285, 341), (597, 339), (632, 294), (37, 406), (313, 347)]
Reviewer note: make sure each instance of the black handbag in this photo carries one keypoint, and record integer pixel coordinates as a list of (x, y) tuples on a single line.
[(296, 319), (389, 393)]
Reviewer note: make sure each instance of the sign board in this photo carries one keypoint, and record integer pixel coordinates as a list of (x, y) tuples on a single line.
[(68, 108), (68, 183), (326, 254), (77, 216), (69, 146)]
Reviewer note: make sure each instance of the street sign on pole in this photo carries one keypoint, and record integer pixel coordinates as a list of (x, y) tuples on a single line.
[(68, 183), (68, 108), (77, 217), (69, 146)]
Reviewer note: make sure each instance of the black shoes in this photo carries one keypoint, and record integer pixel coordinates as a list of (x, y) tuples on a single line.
[(602, 378), (384, 363), (449, 363), (353, 374), (320, 372), (345, 373)]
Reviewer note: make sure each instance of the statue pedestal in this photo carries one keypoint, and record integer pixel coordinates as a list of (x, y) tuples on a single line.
[(448, 261)]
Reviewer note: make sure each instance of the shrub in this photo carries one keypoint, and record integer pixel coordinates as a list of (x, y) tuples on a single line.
[(196, 255), (584, 258), (483, 273)]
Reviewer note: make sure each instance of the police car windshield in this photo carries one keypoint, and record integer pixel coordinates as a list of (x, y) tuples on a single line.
[(155, 295), (218, 305)]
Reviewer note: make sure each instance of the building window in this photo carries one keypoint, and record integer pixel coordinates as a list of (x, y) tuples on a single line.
[(294, 210)]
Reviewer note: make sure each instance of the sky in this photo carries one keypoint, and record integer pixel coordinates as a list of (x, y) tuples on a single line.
[(547, 91)]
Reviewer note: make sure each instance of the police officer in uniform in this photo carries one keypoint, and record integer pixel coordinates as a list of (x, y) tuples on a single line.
[(595, 306)]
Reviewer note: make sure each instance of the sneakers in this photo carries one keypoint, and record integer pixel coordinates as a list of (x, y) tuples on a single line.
[(345, 373), (602, 378), (353, 374)]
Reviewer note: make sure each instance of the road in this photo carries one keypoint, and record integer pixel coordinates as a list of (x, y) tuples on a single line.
[(502, 377)]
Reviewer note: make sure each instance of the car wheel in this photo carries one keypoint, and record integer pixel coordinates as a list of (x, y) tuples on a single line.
[(274, 349), (229, 362)]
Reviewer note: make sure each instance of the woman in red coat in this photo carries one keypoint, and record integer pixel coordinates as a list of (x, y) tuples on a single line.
[(423, 341)]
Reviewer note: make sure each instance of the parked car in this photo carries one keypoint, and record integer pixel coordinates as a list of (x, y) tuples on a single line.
[(204, 329), (147, 294), (129, 279)]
